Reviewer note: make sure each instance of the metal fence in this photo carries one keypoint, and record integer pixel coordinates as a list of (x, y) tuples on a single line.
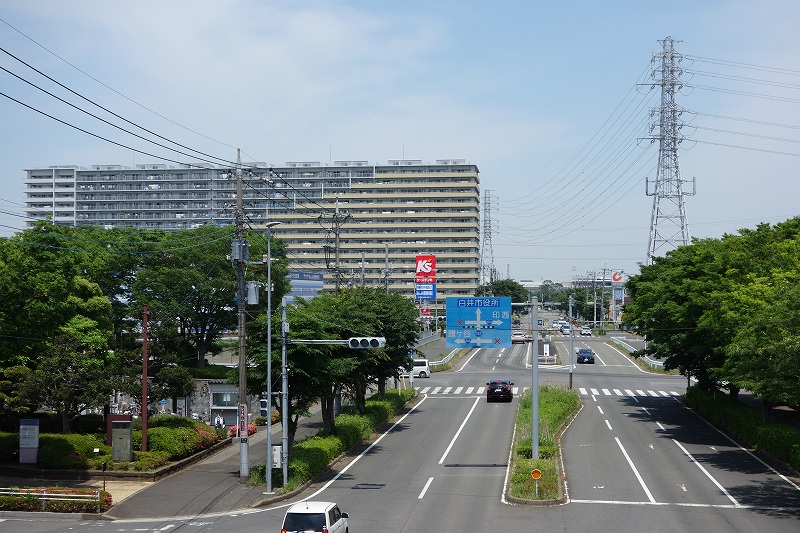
[(46, 495)]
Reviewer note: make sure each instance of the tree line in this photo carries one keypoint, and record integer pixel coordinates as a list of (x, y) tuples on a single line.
[(724, 311), (72, 313)]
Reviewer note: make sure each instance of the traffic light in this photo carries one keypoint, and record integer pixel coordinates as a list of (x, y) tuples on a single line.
[(366, 342)]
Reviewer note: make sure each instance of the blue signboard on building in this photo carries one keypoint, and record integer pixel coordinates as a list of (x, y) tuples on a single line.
[(478, 322)]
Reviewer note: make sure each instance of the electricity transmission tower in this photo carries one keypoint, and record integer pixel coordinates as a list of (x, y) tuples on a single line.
[(487, 270), (668, 226)]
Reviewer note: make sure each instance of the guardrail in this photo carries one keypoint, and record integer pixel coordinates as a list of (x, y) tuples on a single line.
[(46, 495), (620, 342)]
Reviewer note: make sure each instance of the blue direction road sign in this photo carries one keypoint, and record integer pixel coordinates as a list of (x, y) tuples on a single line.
[(478, 322)]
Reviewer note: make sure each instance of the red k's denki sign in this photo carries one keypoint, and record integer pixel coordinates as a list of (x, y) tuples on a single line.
[(426, 269)]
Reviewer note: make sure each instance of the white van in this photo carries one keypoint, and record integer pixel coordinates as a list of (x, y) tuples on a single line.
[(421, 369)]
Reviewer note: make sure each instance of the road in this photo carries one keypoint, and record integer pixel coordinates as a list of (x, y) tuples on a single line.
[(635, 460)]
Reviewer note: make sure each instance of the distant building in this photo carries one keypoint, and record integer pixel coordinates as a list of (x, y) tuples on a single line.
[(384, 214)]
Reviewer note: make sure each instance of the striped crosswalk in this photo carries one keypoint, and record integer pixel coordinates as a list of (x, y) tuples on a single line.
[(588, 392), (627, 392)]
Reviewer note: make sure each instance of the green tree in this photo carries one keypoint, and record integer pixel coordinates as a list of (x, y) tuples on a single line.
[(72, 375)]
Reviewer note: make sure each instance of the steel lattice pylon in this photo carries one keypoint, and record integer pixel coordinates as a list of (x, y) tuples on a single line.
[(668, 226)]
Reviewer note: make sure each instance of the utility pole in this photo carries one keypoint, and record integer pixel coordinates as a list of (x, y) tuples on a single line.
[(535, 379), (144, 379), (337, 219), (668, 225), (571, 354), (239, 254)]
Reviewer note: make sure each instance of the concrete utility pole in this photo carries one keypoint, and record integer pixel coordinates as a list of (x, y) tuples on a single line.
[(239, 254), (571, 351), (668, 226), (535, 380)]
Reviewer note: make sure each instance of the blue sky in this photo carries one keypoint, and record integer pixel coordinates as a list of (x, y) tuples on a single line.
[(549, 99)]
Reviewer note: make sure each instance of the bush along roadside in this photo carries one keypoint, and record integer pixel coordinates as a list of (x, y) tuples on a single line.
[(557, 407), (744, 424), (312, 456)]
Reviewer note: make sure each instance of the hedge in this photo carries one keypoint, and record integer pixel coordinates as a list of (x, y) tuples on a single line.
[(744, 423)]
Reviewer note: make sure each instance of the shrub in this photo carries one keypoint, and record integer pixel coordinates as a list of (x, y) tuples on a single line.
[(351, 429), (87, 424), (69, 451)]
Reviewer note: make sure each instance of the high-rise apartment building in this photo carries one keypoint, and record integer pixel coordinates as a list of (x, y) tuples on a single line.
[(365, 221)]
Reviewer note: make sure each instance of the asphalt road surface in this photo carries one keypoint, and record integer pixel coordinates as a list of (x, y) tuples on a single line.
[(635, 460)]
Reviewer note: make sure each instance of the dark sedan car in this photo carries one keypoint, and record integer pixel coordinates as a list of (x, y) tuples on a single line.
[(499, 389), (584, 355)]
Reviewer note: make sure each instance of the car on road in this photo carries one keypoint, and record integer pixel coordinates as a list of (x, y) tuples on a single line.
[(584, 355), (586, 330), (315, 516), (518, 337), (499, 389), (565, 329)]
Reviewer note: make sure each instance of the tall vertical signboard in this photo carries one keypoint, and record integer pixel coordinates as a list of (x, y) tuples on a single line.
[(425, 277), (28, 441)]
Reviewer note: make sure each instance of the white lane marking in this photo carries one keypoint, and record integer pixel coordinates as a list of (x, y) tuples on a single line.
[(600, 409), (582, 391), (646, 411), (469, 390), (709, 476), (629, 392), (425, 390), (362, 454), (635, 471), (662, 428), (515, 391), (447, 390), (618, 392), (607, 392), (464, 423), (609, 425), (425, 488), (652, 393), (470, 359), (480, 390), (595, 392), (674, 393), (436, 390), (662, 393), (640, 392), (458, 390)]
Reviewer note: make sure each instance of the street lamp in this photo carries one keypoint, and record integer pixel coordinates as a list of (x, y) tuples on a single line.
[(268, 465)]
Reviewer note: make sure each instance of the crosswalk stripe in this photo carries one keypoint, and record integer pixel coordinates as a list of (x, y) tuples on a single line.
[(581, 390)]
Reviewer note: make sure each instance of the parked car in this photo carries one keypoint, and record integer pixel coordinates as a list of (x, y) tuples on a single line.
[(420, 369), (315, 516), (499, 389), (586, 330), (584, 355)]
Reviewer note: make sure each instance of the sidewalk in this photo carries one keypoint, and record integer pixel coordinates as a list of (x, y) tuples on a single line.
[(211, 485)]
